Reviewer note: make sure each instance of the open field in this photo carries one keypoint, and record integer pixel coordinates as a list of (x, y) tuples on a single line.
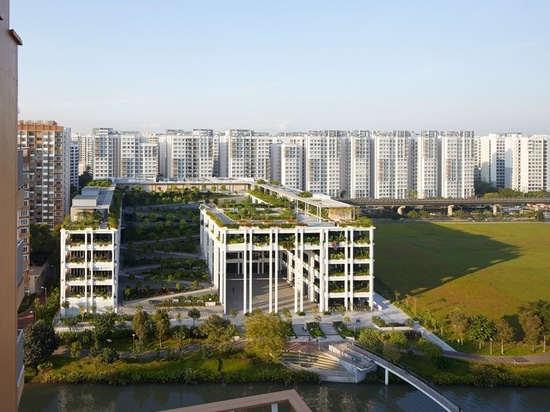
[(481, 268)]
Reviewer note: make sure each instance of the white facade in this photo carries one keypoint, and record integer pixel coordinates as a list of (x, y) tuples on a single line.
[(85, 151), (322, 162), (248, 154), (138, 157), (190, 154), (106, 153), (326, 261), (90, 256), (392, 165), (357, 166), (287, 166), (428, 167), (458, 164)]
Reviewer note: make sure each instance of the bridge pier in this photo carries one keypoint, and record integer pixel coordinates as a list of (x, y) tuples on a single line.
[(400, 210), (495, 209), (450, 210), (386, 376)]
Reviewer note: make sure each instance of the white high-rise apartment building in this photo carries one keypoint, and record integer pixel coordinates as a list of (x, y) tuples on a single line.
[(356, 165), (322, 162), (248, 154), (514, 160), (287, 166), (188, 154), (106, 153), (457, 164), (428, 167), (392, 164), (494, 160), (85, 151), (138, 157), (126, 154), (533, 164)]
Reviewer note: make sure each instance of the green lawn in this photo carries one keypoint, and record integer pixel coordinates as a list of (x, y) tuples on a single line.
[(481, 268)]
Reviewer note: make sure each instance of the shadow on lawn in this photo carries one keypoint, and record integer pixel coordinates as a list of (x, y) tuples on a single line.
[(416, 257)]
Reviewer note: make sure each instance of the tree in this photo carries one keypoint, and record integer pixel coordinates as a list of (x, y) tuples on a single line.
[(86, 177), (141, 324), (108, 356), (532, 327), (104, 327), (82, 310), (65, 305), (460, 323), (266, 335), (541, 308), (481, 329), (219, 333), (504, 332), (76, 349), (194, 314), (371, 340), (39, 342), (162, 324)]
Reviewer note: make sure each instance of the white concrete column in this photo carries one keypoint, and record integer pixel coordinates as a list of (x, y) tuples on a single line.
[(276, 247), (386, 376), (270, 298), (244, 270), (250, 273)]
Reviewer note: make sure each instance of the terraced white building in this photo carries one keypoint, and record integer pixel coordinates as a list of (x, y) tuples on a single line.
[(90, 246), (315, 244)]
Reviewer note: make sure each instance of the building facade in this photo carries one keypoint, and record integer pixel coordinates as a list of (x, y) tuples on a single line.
[(11, 201), (322, 162), (514, 160), (327, 256), (428, 165), (392, 165), (74, 162), (49, 162), (90, 249), (248, 154), (357, 165), (457, 164), (189, 155)]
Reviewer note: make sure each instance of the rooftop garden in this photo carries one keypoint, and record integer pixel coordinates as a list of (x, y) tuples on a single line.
[(84, 219)]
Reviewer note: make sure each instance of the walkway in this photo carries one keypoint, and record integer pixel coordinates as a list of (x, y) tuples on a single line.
[(418, 383)]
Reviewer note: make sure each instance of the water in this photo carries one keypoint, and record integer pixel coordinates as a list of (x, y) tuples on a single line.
[(320, 398)]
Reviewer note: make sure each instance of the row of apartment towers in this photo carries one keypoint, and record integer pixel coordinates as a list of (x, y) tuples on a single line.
[(342, 164)]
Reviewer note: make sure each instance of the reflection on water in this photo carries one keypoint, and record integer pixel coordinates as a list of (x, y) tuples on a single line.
[(320, 398)]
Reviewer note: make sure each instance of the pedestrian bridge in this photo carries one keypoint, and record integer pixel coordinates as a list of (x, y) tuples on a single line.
[(419, 384)]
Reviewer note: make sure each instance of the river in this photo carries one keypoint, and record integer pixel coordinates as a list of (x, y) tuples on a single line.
[(319, 397)]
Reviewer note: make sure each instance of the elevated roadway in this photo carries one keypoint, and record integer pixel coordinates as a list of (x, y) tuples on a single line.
[(449, 203), (478, 201)]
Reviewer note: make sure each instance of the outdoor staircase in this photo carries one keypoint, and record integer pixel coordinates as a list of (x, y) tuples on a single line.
[(326, 366)]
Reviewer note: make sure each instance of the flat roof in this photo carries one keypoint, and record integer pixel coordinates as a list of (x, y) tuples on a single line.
[(255, 401)]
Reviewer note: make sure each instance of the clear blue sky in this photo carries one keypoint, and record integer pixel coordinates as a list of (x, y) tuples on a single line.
[(285, 65)]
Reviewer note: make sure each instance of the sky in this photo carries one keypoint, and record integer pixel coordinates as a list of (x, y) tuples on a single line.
[(285, 65)]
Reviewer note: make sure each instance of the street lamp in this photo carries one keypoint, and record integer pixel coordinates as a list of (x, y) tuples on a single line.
[(45, 293), (491, 346), (133, 339)]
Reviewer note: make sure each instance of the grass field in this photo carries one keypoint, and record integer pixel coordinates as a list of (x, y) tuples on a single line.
[(481, 268)]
